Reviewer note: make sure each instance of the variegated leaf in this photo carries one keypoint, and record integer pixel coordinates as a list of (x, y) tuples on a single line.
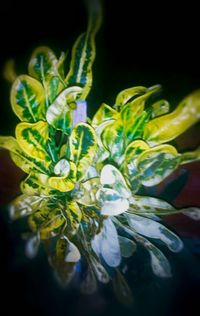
[(82, 147), (32, 246), (67, 249), (124, 96), (111, 177), (134, 117), (105, 113), (60, 113), (47, 223), (24, 205), (44, 66), (83, 54), (88, 190), (36, 184), (22, 160), (167, 127), (113, 140), (28, 99), (66, 180), (157, 163), (33, 138), (106, 243), (74, 215), (153, 229), (132, 152), (111, 201)]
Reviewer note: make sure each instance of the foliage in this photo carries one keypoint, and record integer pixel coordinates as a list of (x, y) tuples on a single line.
[(81, 195)]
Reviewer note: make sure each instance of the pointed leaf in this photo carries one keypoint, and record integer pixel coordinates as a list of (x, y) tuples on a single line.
[(167, 127), (190, 156), (124, 96), (89, 284), (28, 99), (24, 205), (82, 147)]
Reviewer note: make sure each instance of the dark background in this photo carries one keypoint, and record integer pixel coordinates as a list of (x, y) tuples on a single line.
[(138, 44)]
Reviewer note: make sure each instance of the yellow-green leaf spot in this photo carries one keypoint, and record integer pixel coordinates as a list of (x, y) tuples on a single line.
[(28, 99), (60, 114), (167, 127), (33, 138), (111, 177), (112, 202), (64, 183), (157, 163), (105, 113), (82, 147)]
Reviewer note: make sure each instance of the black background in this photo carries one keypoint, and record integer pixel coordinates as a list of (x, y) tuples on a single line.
[(138, 44)]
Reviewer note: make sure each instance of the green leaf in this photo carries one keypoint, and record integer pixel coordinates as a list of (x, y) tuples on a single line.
[(45, 67), (33, 138), (132, 115), (82, 147), (153, 229), (83, 54), (132, 152), (36, 184), (60, 113), (122, 290), (167, 127), (127, 246), (23, 161), (157, 163), (105, 113), (28, 99), (124, 96), (112, 138)]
